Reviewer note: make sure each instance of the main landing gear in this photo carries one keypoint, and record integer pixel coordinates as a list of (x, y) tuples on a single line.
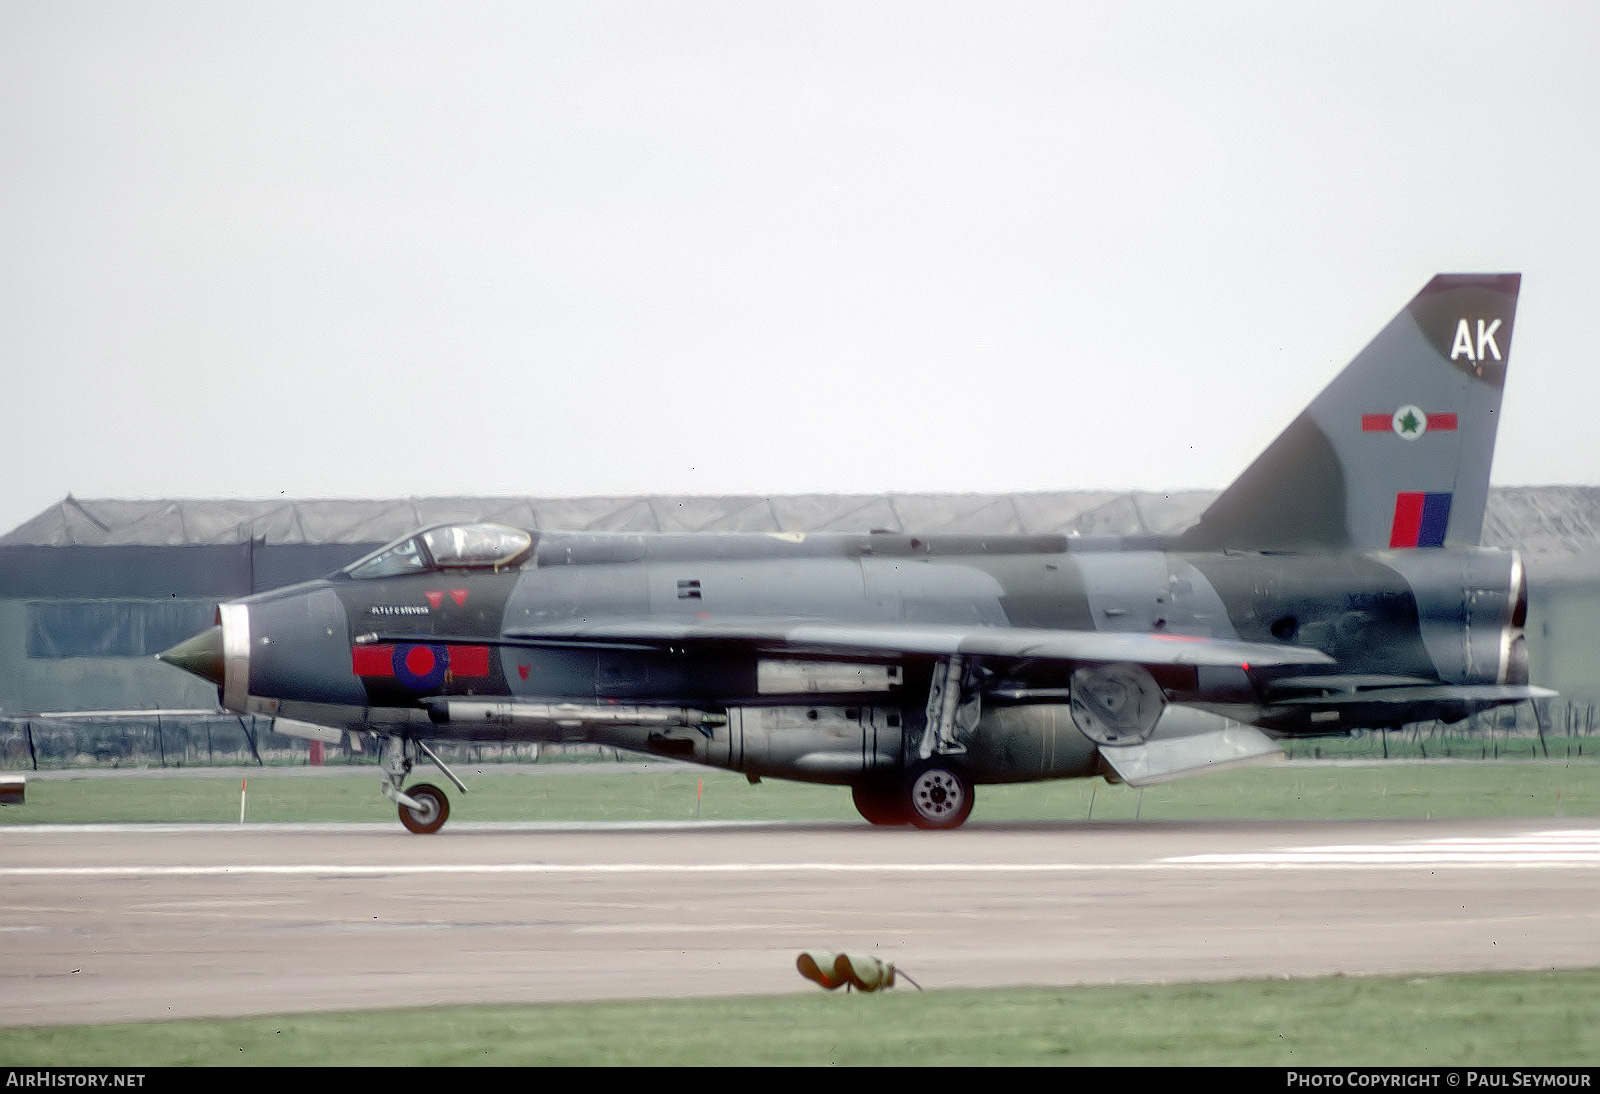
[(935, 791), (423, 808), (881, 802), (934, 794), (940, 793)]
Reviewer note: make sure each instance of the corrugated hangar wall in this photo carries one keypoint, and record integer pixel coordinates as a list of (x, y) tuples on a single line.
[(80, 625), (89, 590)]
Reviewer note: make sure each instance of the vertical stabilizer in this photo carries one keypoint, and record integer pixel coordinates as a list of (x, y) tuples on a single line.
[(1396, 451)]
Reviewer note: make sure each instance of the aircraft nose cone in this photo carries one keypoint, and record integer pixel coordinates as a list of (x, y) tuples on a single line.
[(201, 655)]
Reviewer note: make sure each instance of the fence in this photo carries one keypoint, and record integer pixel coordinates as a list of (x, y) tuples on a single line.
[(197, 739), (1559, 729)]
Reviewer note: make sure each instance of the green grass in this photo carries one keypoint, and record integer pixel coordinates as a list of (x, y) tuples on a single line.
[(1375, 745), (1287, 791), (1489, 1019)]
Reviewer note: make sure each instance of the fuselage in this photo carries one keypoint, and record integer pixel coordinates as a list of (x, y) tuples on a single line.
[(366, 649)]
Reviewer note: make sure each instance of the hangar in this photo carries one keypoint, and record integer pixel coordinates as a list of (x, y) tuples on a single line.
[(91, 589)]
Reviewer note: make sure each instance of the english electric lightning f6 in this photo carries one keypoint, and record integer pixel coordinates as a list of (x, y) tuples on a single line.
[(1336, 585)]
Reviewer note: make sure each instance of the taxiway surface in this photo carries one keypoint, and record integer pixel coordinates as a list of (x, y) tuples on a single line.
[(102, 923)]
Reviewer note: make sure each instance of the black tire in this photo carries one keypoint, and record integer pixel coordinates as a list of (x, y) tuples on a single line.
[(881, 802), (938, 795), (436, 809)]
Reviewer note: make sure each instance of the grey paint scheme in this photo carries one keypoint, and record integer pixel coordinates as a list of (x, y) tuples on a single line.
[(1328, 483), (1434, 615), (1284, 607)]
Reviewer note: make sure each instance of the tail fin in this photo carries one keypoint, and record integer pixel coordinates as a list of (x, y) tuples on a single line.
[(1395, 452)]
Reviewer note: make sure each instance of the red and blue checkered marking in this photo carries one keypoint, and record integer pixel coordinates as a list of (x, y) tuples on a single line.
[(1420, 520)]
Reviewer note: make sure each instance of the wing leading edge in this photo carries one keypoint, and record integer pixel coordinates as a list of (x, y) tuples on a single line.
[(931, 640)]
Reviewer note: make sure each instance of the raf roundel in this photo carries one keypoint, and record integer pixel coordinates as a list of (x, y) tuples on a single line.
[(420, 666)]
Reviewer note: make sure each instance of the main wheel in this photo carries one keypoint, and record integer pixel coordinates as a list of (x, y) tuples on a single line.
[(881, 801), (938, 795), (434, 812)]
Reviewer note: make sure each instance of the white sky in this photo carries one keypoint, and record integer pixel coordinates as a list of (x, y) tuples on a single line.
[(377, 249)]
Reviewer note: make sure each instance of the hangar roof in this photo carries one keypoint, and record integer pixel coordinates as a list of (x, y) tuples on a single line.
[(191, 521), (1538, 520)]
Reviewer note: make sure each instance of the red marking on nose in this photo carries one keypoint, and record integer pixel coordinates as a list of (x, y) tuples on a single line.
[(469, 661), (522, 671), (435, 598), (459, 596), (372, 660)]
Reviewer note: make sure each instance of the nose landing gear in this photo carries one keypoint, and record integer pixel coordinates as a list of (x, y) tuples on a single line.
[(424, 808), (432, 810)]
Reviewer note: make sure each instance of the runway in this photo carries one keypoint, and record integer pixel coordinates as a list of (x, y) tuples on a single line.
[(104, 923)]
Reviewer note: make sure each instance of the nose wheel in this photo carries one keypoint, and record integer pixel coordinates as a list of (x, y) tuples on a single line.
[(432, 810)]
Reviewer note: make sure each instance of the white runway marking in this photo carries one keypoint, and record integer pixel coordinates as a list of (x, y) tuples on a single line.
[(359, 870), (1576, 847), (1556, 849), (390, 828)]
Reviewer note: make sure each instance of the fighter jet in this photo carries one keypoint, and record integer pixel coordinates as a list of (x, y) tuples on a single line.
[(1336, 585)]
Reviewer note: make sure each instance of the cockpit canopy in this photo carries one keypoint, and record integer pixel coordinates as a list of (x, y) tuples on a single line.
[(476, 546)]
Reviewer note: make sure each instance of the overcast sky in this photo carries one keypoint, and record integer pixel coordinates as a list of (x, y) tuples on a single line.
[(380, 249)]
